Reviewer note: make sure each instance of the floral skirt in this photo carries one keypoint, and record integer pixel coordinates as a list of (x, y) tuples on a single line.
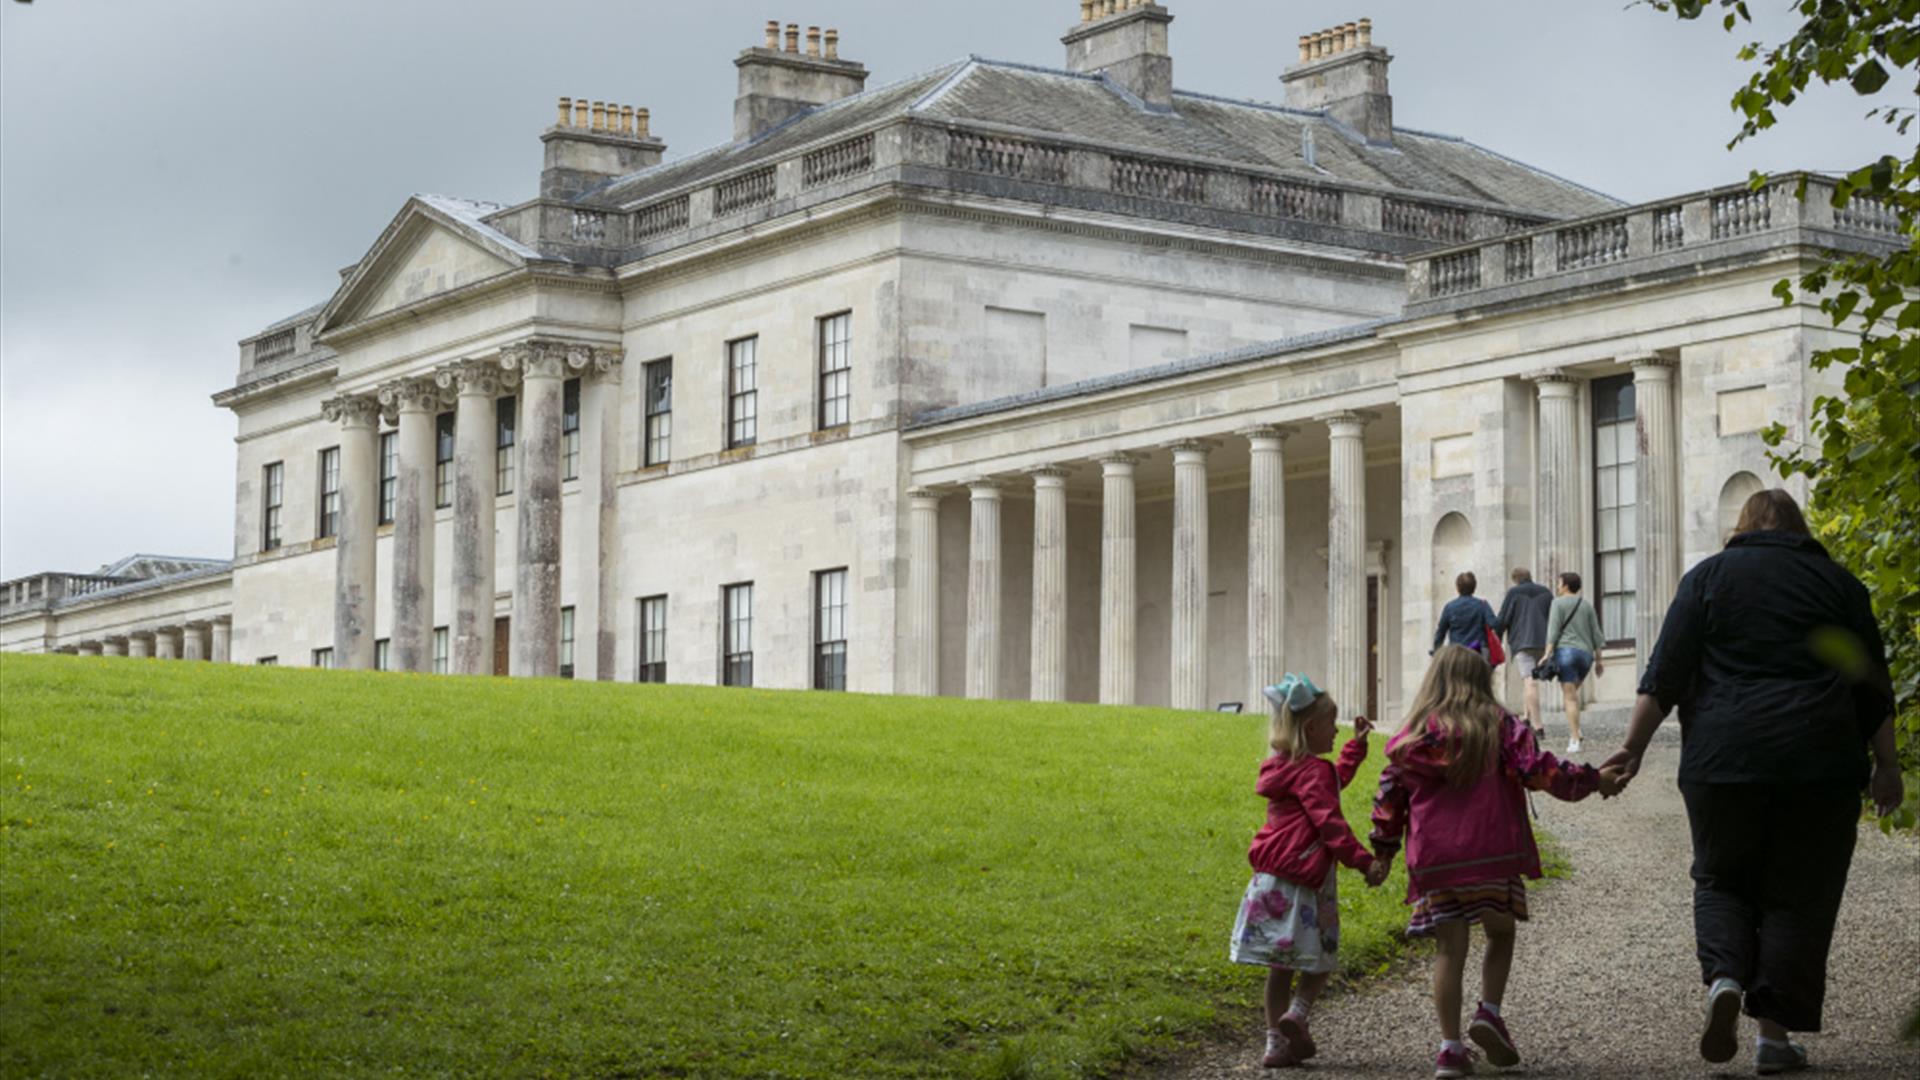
[(1468, 904), (1288, 926)]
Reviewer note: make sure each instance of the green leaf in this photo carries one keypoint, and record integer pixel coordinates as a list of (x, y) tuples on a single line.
[(1869, 77)]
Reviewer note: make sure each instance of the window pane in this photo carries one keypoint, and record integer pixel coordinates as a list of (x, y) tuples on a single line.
[(1604, 448), (1629, 573), (1625, 443), (1608, 533), (1629, 485), (1629, 520)]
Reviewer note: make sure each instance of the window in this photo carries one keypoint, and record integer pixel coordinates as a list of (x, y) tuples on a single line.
[(503, 416), (268, 661), (440, 646), (653, 639), (323, 658), (836, 370), (570, 430), (743, 396), (736, 647), (383, 654), (272, 485), (566, 643), (1616, 505), (659, 444), (443, 460), (329, 492), (830, 630), (389, 474)]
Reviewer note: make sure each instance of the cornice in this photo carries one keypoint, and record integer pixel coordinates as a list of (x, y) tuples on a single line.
[(534, 276)]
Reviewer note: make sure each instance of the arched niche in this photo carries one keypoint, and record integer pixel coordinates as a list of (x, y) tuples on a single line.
[(1452, 553), (1734, 494)]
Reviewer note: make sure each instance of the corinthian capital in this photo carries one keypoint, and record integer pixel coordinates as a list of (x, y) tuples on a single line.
[(352, 410), (597, 362), (481, 377), (412, 395), (537, 359)]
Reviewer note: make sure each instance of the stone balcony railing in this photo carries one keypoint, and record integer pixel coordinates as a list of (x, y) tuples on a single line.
[(1640, 239), (1015, 164)]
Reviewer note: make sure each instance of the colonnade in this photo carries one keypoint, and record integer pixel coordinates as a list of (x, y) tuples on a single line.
[(537, 370), (1119, 587), (198, 639)]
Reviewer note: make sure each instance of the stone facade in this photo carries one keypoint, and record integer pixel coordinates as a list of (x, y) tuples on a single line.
[(1011, 382)]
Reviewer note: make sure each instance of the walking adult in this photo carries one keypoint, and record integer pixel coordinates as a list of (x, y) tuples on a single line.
[(1574, 639), (1771, 652), (1466, 620), (1523, 619)]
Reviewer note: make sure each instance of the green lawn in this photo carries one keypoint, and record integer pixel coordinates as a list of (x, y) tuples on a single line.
[(250, 872)]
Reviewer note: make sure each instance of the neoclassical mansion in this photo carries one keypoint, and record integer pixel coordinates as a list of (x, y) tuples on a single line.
[(999, 380)]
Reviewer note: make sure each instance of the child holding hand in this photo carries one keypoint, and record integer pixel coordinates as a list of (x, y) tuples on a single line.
[(1290, 916), (1455, 787)]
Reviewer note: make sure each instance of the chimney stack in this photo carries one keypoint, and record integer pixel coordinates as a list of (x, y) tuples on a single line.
[(1125, 40), (594, 142), (1344, 74), (778, 84)]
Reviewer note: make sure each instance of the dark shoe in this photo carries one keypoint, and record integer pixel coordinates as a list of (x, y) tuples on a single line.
[(1453, 1064), (1491, 1033), (1770, 1059), (1299, 1039), (1720, 1041)]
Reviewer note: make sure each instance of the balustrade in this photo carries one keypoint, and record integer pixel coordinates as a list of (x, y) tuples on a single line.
[(1866, 214), (1158, 180), (997, 156), (662, 217), (1742, 213), (743, 192), (1593, 244), (1301, 202), (1425, 220), (1456, 273), (1669, 228), (837, 162), (1520, 259)]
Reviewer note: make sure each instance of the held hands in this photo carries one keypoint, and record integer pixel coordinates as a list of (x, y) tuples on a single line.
[(1377, 873), (1362, 727), (1627, 760), (1613, 780)]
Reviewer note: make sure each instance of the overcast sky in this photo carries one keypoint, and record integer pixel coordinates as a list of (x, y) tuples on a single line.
[(175, 174)]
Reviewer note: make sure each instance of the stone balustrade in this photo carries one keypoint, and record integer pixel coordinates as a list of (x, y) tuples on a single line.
[(1635, 239)]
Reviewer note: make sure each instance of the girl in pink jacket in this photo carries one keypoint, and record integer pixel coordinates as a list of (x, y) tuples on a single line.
[(1455, 787), (1290, 916)]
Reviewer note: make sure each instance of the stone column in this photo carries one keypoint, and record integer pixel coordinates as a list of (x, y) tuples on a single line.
[(543, 368), (353, 589), (923, 591), (595, 548), (222, 640), (140, 645), (983, 593), (1657, 538), (193, 641), (114, 646), (1190, 574), (1266, 561), (1049, 584), (478, 384), (87, 648), (1559, 525), (1119, 582), (1347, 563), (418, 401), (166, 643)]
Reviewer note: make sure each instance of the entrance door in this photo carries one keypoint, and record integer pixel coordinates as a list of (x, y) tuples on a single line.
[(502, 644), (1373, 647)]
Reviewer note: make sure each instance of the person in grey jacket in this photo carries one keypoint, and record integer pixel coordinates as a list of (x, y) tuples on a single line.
[(1574, 639), (1523, 619)]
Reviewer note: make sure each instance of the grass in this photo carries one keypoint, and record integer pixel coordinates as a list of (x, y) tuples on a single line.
[(227, 872)]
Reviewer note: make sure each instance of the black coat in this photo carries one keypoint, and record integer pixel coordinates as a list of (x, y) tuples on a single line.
[(1771, 651)]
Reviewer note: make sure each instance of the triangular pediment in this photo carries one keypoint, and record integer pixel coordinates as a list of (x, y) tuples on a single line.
[(427, 251)]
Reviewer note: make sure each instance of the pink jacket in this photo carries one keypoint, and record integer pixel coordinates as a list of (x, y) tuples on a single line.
[(1305, 831), (1460, 836)]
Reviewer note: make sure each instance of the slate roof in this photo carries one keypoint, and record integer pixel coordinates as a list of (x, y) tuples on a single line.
[(1047, 101)]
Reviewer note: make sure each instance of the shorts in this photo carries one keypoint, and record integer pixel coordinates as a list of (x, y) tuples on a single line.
[(1284, 925), (1574, 664), (1525, 660)]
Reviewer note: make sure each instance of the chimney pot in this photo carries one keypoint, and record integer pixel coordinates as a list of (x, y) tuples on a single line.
[(1306, 48), (833, 44), (599, 116), (626, 119), (773, 34), (580, 112), (813, 41), (793, 37), (1351, 36), (1345, 76), (642, 121), (566, 112), (1086, 11), (1366, 32)]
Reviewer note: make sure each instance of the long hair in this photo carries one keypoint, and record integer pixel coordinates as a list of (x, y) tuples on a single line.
[(1287, 731), (1457, 697), (1772, 510)]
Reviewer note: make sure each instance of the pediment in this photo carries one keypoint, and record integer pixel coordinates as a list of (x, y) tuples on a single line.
[(425, 252)]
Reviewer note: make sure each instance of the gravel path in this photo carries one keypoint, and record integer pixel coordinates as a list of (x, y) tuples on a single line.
[(1605, 983)]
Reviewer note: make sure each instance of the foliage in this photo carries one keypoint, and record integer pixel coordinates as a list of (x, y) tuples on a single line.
[(236, 871), (1865, 456)]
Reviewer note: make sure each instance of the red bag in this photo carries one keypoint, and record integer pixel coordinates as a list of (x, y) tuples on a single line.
[(1495, 654)]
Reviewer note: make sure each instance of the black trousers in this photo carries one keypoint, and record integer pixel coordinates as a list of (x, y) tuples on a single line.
[(1769, 868)]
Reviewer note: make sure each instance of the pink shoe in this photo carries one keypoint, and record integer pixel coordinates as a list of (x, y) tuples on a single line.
[(1299, 1040), (1491, 1033), (1277, 1056), (1453, 1064)]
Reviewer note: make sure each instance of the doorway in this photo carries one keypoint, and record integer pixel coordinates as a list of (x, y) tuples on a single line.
[(502, 643)]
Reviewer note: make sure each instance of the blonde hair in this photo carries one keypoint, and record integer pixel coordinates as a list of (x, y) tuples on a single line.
[(1457, 696), (1287, 731)]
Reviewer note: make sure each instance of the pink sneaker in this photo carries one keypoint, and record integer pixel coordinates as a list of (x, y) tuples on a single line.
[(1299, 1039), (1491, 1033), (1277, 1055), (1453, 1064)]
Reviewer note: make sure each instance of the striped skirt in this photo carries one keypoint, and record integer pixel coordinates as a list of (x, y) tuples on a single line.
[(1468, 904)]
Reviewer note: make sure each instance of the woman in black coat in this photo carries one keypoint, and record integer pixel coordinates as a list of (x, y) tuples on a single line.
[(1771, 651)]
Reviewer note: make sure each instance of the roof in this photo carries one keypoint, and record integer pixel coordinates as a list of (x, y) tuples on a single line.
[(1048, 101), (156, 566)]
